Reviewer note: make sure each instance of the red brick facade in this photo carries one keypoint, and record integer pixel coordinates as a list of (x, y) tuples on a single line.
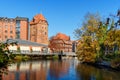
[(39, 29), (61, 42), (24, 29), (9, 27)]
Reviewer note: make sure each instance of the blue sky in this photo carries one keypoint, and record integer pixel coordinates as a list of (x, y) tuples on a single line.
[(62, 15)]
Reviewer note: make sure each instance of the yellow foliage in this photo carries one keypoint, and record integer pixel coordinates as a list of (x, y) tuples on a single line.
[(86, 52)]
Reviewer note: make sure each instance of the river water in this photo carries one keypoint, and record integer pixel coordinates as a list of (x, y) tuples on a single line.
[(56, 70)]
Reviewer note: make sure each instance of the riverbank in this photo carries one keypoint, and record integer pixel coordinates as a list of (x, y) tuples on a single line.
[(103, 65), (19, 58)]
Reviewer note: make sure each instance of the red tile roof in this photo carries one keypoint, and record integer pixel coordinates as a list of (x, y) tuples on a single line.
[(37, 18), (62, 36)]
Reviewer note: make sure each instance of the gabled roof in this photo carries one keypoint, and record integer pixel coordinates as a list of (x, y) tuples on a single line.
[(62, 36), (37, 18)]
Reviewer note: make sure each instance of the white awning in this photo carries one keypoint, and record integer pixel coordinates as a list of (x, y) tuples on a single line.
[(25, 48), (36, 48), (12, 47)]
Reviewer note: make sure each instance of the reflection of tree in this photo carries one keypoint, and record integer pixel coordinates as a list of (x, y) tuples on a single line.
[(58, 69), (87, 72), (3, 71)]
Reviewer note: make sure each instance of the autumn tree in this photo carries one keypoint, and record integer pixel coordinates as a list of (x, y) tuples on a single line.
[(97, 38), (89, 45)]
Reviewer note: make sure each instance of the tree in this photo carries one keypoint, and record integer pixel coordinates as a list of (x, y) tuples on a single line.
[(5, 54), (97, 37), (89, 46)]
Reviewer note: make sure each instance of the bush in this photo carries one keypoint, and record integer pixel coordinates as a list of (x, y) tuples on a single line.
[(115, 63), (5, 54), (18, 57), (110, 56), (25, 57), (55, 57)]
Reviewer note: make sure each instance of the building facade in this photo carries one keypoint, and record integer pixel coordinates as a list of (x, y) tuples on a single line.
[(13, 28), (60, 42), (39, 29), (22, 28)]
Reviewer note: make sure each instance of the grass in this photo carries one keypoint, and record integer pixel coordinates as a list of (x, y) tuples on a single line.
[(55, 57), (21, 58)]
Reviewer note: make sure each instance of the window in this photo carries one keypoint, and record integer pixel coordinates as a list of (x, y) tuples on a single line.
[(5, 36), (5, 31), (11, 37), (45, 28), (11, 31), (45, 33), (18, 29), (6, 21), (11, 21), (18, 23)]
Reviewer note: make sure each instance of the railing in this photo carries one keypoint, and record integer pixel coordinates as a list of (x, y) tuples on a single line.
[(44, 53)]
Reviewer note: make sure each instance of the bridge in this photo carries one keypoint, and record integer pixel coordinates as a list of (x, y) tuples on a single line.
[(45, 53)]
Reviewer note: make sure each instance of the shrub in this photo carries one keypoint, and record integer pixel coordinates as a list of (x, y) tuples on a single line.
[(25, 57), (18, 57), (55, 57), (115, 63)]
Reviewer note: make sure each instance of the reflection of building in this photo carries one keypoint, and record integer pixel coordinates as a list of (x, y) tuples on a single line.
[(39, 29), (27, 71), (61, 42), (58, 69), (13, 28)]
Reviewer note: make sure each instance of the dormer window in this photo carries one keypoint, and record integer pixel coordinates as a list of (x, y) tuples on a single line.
[(33, 20), (11, 21)]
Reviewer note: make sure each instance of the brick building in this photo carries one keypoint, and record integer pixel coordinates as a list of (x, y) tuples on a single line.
[(39, 29), (60, 42), (13, 28), (18, 28)]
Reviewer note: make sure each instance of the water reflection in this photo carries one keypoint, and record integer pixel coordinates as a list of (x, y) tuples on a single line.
[(36, 70), (27, 71), (87, 72), (56, 70)]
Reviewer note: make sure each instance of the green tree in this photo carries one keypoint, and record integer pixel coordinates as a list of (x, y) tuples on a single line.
[(5, 54)]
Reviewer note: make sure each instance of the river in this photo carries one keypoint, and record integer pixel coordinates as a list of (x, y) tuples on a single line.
[(56, 70)]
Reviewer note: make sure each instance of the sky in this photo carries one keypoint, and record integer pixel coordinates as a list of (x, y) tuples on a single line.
[(62, 15)]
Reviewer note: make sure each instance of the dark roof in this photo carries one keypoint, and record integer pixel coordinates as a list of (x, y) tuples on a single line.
[(25, 42), (6, 18), (21, 18)]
